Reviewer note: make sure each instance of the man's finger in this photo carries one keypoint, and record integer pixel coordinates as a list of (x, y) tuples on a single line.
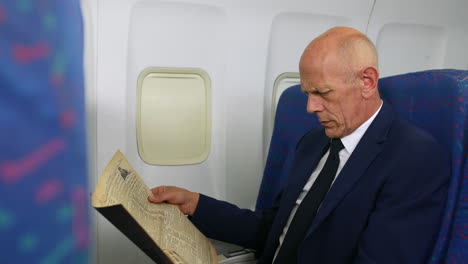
[(159, 198), (154, 199), (159, 189), (164, 195)]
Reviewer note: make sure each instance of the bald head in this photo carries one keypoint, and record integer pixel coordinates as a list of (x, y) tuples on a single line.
[(345, 46), (339, 72)]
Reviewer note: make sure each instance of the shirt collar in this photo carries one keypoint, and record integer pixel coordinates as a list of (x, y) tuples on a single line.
[(350, 141)]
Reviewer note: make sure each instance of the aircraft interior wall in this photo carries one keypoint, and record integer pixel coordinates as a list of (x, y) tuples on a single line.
[(250, 51)]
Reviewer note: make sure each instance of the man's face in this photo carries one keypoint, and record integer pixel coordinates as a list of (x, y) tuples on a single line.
[(334, 96)]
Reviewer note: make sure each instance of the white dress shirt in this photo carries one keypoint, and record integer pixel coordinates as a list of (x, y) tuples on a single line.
[(349, 142)]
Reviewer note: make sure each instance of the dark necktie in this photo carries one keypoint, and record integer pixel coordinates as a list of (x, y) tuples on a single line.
[(307, 210)]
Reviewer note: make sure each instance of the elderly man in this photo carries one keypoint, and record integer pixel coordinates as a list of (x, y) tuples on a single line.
[(366, 188)]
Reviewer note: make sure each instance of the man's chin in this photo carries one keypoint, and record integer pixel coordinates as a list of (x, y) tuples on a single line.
[(332, 133)]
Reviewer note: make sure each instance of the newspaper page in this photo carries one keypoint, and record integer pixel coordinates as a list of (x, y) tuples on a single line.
[(179, 239)]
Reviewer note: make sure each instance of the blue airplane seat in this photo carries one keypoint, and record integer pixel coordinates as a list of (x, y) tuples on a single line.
[(291, 122), (43, 173), (437, 101), (434, 100)]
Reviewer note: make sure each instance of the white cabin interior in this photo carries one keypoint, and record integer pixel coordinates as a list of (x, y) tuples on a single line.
[(247, 53)]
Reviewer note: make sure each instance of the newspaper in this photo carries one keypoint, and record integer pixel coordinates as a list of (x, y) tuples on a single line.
[(160, 230)]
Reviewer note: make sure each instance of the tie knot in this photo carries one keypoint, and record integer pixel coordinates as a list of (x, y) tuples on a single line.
[(336, 146)]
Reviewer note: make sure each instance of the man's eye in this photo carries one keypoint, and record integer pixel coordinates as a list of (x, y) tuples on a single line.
[(323, 93), (317, 92)]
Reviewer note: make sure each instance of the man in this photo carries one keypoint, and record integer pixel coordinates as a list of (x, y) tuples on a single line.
[(388, 179)]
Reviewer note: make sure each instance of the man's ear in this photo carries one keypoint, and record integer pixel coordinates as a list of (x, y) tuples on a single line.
[(369, 77)]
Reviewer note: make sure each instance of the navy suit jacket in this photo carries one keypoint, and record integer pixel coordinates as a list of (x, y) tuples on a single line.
[(384, 207)]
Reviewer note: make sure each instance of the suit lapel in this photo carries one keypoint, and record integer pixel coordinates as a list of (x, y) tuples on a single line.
[(304, 167), (368, 148), (300, 172)]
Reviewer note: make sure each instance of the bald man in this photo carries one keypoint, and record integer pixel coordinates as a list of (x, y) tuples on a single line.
[(366, 188)]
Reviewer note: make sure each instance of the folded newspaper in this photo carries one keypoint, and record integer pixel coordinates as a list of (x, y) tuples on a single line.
[(160, 230)]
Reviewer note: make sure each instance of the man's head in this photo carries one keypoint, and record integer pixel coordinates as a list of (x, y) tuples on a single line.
[(339, 72)]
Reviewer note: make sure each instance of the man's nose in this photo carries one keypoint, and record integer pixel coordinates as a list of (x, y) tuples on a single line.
[(314, 103)]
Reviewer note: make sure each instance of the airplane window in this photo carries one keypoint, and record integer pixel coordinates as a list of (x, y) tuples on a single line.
[(174, 116), (283, 82)]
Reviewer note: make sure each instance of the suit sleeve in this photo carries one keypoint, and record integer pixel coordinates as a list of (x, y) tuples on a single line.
[(226, 222), (405, 222)]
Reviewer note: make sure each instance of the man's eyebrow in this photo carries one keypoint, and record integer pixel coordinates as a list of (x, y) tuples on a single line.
[(320, 89), (309, 90), (305, 84)]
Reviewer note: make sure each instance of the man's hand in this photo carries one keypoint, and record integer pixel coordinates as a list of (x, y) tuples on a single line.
[(186, 200)]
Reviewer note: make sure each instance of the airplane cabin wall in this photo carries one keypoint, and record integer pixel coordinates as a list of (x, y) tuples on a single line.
[(419, 35), (244, 46)]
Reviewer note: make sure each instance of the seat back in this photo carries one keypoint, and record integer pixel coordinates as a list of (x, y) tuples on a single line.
[(433, 100), (291, 122), (437, 101), (43, 171)]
